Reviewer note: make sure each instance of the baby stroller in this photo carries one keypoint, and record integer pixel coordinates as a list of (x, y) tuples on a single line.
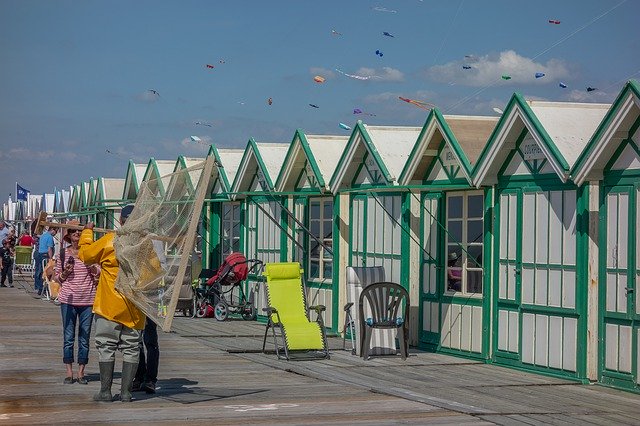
[(224, 294)]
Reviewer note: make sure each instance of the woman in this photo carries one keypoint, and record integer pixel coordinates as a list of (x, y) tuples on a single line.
[(76, 296)]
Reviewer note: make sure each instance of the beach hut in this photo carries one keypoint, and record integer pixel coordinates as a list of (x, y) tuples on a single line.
[(610, 166), (133, 179), (304, 183), (452, 234), (109, 201), (539, 286)]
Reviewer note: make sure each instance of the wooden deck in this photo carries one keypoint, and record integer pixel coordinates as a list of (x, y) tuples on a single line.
[(213, 372)]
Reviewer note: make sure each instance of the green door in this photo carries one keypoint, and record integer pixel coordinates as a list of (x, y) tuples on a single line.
[(430, 271), (619, 296)]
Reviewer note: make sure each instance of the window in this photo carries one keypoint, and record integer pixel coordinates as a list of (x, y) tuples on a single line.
[(230, 229), (465, 232), (320, 227)]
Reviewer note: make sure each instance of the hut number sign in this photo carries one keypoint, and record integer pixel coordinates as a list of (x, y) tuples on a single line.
[(531, 150), (447, 158)]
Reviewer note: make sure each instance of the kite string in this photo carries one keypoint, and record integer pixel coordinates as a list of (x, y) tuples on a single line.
[(562, 40), (446, 37)]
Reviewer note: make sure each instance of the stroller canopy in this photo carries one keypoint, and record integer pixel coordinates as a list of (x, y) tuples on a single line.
[(232, 270)]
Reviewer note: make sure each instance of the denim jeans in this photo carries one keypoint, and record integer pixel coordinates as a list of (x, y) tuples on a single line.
[(84, 316), (148, 365), (37, 277)]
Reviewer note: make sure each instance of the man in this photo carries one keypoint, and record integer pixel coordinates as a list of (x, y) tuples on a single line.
[(46, 247), (119, 323), (4, 231)]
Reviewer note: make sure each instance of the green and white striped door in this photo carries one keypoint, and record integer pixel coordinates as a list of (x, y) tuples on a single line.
[(620, 274), (538, 316)]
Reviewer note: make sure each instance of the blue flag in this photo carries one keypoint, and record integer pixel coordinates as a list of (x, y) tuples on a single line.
[(21, 193)]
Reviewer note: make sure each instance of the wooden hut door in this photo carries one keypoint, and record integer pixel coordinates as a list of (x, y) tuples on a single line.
[(620, 298)]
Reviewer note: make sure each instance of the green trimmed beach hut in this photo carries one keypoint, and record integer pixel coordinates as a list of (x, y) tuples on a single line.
[(610, 166), (454, 231), (133, 179), (539, 285), (108, 201)]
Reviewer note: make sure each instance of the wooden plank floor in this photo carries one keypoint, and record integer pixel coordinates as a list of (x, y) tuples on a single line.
[(215, 371)]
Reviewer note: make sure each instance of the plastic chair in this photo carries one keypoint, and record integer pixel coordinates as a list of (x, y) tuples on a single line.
[(384, 305), (288, 315), (23, 260)]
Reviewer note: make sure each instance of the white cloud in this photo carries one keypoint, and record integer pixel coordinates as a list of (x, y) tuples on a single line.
[(489, 69), (42, 155), (584, 96)]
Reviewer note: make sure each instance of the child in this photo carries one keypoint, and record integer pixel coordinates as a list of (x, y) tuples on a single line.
[(6, 263)]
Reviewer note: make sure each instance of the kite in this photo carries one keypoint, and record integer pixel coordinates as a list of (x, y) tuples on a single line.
[(466, 67), (269, 101), (591, 89), (554, 21), (357, 77), (222, 61), (383, 9), (314, 105), (209, 66), (498, 111), (196, 139), (419, 104), (387, 34), (200, 123), (561, 84), (319, 79), (540, 74), (379, 53), (155, 92), (359, 111), (334, 32), (344, 126), (506, 77)]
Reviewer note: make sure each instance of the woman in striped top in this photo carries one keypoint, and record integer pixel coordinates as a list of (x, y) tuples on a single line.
[(76, 296)]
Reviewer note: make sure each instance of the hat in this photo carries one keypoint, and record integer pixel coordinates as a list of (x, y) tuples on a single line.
[(126, 211), (453, 256), (67, 235)]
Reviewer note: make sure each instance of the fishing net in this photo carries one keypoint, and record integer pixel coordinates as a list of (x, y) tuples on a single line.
[(154, 246)]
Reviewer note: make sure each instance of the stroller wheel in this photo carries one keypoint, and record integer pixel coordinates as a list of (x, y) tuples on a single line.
[(201, 311), (221, 311), (249, 313)]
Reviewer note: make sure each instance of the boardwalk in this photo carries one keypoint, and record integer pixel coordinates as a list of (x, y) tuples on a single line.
[(213, 372)]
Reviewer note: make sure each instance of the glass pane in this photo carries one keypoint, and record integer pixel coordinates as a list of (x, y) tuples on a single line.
[(327, 254), (454, 207), (314, 210), (236, 212), (454, 279), (236, 244), (454, 228), (474, 259), (474, 206), (328, 270), (315, 228), (315, 249), (328, 210), (314, 269), (454, 256), (474, 231), (474, 282)]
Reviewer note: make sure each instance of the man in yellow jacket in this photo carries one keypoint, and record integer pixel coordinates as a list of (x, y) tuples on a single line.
[(119, 323)]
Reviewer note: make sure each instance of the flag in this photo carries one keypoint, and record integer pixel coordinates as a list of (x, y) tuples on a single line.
[(21, 193)]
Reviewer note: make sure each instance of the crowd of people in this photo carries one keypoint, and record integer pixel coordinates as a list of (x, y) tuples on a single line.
[(85, 271)]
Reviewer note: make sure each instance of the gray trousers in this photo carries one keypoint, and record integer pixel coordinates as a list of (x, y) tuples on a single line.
[(112, 336)]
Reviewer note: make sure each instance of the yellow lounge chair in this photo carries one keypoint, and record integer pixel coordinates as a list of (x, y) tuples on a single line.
[(293, 332)]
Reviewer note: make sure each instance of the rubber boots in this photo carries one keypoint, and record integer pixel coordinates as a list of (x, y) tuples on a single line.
[(128, 374), (106, 378)]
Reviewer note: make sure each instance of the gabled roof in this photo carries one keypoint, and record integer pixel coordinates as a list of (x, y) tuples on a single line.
[(226, 165), (620, 123), (187, 162), (316, 156), (159, 171), (559, 129), (261, 162), (464, 137), (74, 200), (110, 192), (93, 192), (384, 148), (133, 179), (84, 194)]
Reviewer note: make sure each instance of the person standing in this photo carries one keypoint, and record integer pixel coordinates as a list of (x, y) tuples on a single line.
[(6, 263), (76, 302), (147, 374), (4, 231), (25, 239), (46, 247), (118, 323)]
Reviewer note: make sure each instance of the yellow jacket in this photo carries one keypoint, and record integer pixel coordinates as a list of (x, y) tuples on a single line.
[(109, 303)]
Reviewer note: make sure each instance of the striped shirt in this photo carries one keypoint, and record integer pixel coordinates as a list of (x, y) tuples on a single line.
[(79, 289)]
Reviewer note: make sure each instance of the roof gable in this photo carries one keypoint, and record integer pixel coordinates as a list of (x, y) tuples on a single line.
[(133, 179), (259, 163), (459, 134), (620, 123), (555, 131), (225, 168)]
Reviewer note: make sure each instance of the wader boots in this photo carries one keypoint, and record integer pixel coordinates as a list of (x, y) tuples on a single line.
[(106, 378), (128, 373)]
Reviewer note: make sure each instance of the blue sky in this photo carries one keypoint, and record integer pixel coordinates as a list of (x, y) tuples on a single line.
[(75, 76)]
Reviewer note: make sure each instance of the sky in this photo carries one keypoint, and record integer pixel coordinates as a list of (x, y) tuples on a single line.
[(87, 85)]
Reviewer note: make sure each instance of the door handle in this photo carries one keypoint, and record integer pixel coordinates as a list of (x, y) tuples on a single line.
[(629, 290)]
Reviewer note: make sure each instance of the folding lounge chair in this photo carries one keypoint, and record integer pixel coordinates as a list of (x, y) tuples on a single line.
[(293, 332), (23, 261)]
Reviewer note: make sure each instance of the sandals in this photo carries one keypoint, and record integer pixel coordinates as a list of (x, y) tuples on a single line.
[(68, 380), (82, 380)]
